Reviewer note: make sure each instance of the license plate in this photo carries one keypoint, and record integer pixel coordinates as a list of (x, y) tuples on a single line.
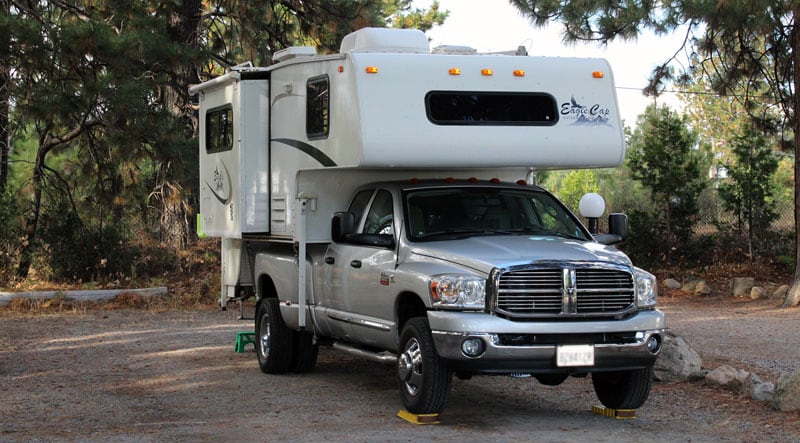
[(575, 355)]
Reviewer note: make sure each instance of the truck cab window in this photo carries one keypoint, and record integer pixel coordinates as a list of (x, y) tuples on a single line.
[(359, 204), (380, 216)]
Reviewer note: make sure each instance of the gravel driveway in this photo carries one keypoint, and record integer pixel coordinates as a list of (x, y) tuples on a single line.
[(151, 375)]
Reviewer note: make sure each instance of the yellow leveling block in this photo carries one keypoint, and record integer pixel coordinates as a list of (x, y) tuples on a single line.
[(419, 419), (620, 414)]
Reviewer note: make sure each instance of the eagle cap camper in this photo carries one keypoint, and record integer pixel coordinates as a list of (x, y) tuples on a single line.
[(381, 201)]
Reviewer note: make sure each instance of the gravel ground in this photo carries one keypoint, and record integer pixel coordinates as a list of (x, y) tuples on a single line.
[(157, 375)]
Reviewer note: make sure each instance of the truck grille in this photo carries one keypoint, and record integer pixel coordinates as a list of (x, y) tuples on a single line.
[(564, 291)]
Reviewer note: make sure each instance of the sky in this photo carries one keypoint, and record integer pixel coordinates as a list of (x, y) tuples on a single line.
[(494, 25)]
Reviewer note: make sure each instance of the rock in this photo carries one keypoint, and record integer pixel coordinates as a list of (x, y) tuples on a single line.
[(754, 388), (787, 393), (728, 377), (672, 284), (741, 286), (677, 361), (702, 288), (763, 392), (781, 292), (691, 282), (757, 292)]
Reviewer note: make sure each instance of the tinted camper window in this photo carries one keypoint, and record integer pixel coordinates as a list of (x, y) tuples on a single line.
[(317, 107), (491, 108), (219, 129)]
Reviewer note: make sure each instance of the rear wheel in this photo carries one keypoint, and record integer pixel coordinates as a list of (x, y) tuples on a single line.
[(623, 389), (422, 375), (274, 339)]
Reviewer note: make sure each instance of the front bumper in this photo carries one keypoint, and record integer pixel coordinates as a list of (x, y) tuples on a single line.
[(530, 347)]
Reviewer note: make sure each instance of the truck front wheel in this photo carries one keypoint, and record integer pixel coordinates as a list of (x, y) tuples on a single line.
[(422, 375), (623, 389), (274, 339)]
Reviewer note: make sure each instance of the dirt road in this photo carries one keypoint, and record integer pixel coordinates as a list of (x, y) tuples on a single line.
[(143, 375)]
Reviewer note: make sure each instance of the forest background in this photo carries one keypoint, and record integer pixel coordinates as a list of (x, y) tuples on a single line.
[(98, 149)]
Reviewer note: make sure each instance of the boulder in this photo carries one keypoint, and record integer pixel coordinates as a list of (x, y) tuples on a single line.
[(702, 288), (672, 284), (754, 388), (741, 286), (691, 282), (677, 361), (787, 393), (728, 377), (781, 292), (763, 392), (757, 293)]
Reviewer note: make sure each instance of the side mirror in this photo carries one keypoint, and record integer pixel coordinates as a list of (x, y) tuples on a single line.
[(617, 230), (342, 226)]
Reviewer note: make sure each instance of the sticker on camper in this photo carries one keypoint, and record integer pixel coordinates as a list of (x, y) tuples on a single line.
[(585, 115), (220, 185)]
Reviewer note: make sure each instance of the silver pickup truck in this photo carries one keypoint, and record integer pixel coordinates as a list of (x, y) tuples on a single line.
[(464, 277)]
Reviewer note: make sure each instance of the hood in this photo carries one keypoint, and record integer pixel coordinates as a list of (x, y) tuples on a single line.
[(485, 253)]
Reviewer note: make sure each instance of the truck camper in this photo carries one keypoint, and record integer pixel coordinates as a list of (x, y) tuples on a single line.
[(382, 201)]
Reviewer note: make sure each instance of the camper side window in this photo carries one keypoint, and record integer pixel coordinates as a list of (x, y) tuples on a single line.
[(317, 107), (219, 129)]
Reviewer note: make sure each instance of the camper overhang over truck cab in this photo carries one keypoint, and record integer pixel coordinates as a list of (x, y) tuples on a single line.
[(381, 201)]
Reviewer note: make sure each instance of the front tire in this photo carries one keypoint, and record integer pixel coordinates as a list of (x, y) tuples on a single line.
[(623, 389), (423, 377), (274, 339)]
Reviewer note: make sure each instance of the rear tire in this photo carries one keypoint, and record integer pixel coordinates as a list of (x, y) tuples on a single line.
[(273, 338), (623, 389), (423, 376)]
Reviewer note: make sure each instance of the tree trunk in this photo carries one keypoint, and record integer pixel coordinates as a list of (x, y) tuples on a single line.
[(174, 193), (793, 297), (32, 220), (5, 94)]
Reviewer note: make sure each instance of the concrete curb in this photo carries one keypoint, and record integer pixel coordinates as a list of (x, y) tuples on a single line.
[(82, 295)]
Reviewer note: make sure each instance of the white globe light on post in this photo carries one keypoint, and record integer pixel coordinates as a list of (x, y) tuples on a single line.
[(592, 206)]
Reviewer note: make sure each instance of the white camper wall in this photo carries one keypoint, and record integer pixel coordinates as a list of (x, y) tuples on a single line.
[(234, 182), (398, 133)]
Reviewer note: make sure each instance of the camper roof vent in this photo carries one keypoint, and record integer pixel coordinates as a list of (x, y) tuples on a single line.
[(385, 40), (293, 52), (454, 50)]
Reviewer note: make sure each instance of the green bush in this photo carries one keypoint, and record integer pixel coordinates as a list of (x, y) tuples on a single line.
[(74, 250)]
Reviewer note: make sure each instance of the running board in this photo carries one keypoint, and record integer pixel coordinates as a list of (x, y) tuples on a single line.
[(384, 357)]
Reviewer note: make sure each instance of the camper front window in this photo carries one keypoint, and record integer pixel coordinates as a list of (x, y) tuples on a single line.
[(491, 108)]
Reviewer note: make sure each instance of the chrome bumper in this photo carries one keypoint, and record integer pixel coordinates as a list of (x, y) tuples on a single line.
[(450, 329)]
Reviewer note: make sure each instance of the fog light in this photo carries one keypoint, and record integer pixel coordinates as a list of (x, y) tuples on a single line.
[(472, 347), (654, 344)]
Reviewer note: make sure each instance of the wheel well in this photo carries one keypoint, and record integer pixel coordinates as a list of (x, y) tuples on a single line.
[(409, 305), (265, 288)]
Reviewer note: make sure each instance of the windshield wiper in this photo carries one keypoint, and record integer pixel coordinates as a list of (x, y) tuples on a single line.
[(457, 232), (537, 231)]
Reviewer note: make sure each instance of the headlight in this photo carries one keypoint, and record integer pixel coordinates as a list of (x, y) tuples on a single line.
[(458, 291), (646, 288)]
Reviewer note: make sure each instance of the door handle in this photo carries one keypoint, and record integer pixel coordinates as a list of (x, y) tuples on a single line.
[(355, 263), (330, 260)]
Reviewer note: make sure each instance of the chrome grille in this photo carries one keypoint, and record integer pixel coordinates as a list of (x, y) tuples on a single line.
[(555, 291)]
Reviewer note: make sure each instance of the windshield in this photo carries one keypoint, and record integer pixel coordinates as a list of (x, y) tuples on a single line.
[(450, 213)]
